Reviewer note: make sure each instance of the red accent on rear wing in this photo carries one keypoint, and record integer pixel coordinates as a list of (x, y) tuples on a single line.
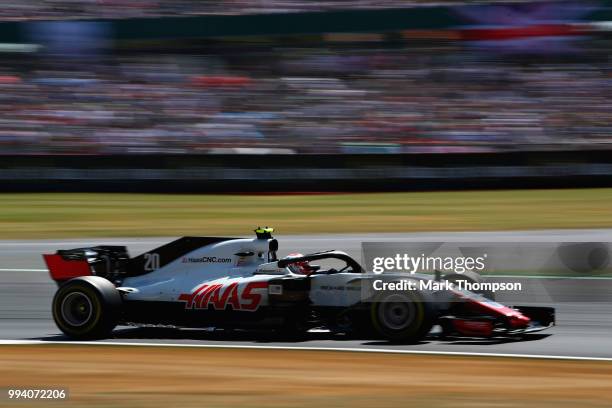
[(61, 269)]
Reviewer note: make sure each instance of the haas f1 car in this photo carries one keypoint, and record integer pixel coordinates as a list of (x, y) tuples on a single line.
[(232, 283)]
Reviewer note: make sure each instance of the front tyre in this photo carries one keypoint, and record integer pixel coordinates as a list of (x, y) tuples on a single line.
[(87, 308), (405, 317)]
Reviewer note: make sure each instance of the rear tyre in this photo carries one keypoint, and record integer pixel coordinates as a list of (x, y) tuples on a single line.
[(87, 308), (405, 317)]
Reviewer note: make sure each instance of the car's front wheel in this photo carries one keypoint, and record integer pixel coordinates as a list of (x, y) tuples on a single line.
[(87, 307), (405, 317)]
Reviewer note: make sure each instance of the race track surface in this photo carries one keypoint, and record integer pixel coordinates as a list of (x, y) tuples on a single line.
[(584, 306)]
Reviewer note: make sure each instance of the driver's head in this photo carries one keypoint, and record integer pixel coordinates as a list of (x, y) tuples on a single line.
[(300, 268)]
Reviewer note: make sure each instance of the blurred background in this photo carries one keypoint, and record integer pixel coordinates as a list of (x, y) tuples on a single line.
[(263, 108), (409, 93)]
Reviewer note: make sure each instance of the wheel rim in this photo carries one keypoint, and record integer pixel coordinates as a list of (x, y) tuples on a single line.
[(76, 309), (396, 314)]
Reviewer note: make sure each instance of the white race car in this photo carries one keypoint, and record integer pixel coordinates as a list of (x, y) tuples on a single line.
[(232, 283)]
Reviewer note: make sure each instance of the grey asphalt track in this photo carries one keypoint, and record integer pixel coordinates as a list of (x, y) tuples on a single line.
[(584, 306)]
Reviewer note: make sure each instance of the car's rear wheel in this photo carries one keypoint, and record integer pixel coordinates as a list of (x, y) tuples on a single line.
[(404, 317), (87, 307)]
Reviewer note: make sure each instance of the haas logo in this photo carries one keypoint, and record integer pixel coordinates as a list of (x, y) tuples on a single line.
[(221, 296)]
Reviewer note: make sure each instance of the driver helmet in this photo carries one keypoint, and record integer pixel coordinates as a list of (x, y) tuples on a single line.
[(300, 268)]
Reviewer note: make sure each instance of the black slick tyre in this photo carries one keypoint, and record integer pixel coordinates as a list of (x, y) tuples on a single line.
[(87, 308)]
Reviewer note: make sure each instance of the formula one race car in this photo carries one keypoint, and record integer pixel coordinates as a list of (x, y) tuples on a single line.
[(232, 283)]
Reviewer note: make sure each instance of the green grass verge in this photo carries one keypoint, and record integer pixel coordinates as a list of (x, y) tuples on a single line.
[(118, 215)]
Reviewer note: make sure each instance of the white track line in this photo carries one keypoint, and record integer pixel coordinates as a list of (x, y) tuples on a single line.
[(551, 277), (486, 276), (360, 350)]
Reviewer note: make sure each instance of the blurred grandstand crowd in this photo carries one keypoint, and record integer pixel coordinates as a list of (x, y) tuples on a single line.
[(63, 9), (306, 100)]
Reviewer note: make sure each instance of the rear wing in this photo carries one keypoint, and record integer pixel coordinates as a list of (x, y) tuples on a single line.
[(62, 269), (107, 261)]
